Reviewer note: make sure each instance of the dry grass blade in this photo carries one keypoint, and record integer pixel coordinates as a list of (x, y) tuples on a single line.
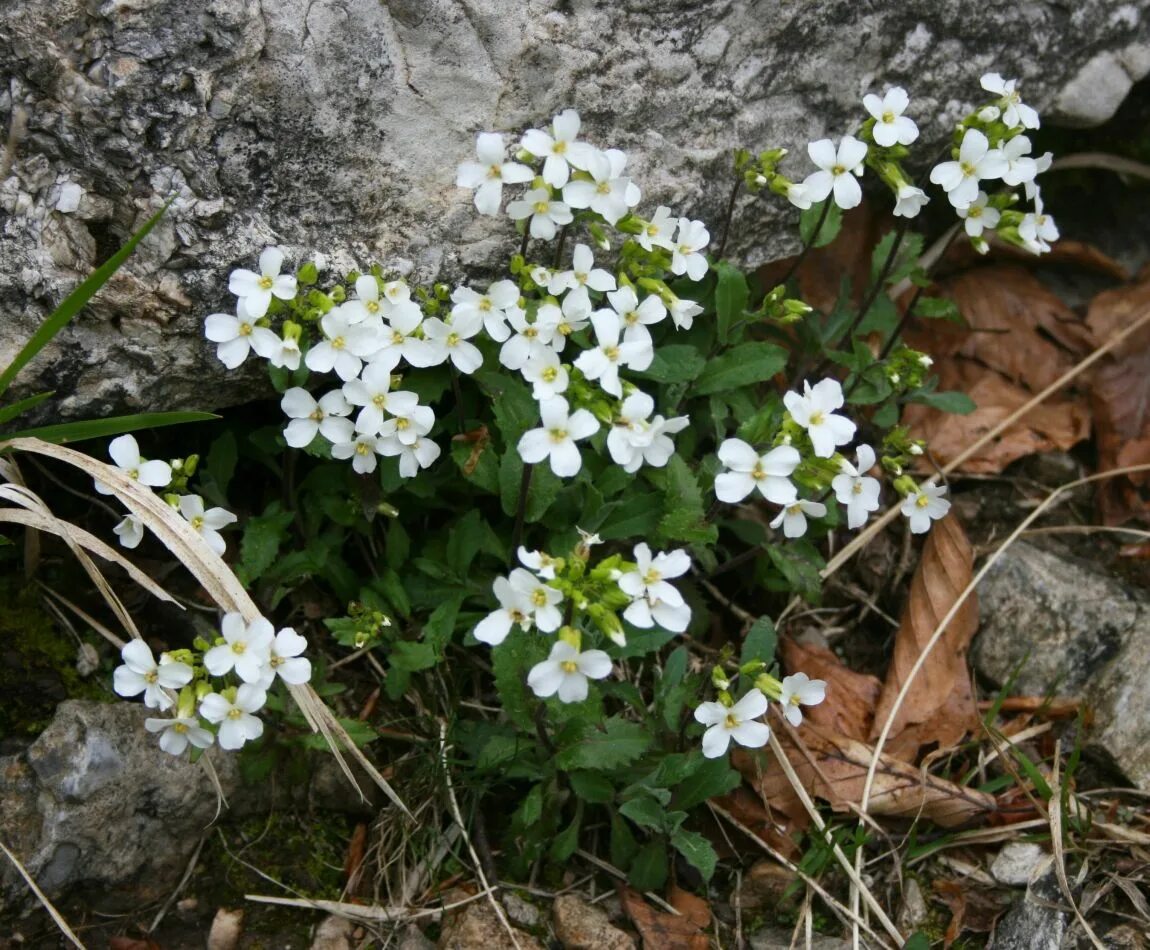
[(1055, 815), (209, 569), (42, 897)]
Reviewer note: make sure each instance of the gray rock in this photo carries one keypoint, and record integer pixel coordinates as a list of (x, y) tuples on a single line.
[(337, 127), (1016, 863), (777, 938), (1035, 922), (1072, 630)]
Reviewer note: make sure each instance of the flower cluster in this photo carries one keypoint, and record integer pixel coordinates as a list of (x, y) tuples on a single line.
[(125, 453), (253, 654), (728, 720)]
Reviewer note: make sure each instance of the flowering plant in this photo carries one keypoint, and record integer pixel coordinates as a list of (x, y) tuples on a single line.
[(531, 484)]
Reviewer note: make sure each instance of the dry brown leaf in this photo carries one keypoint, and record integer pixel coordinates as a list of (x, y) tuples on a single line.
[(661, 931), (851, 697), (939, 706), (694, 908), (1121, 400), (834, 768), (778, 829)]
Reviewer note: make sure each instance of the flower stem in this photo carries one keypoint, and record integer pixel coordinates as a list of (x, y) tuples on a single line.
[(809, 246), (521, 508), (559, 248), (458, 393), (729, 219), (526, 238)]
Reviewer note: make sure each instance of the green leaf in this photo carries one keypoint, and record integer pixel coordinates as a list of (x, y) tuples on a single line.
[(464, 540), (881, 318), (938, 308), (543, 490), (742, 365), (697, 850), (645, 812), (220, 465), (675, 363), (649, 868), (591, 787), (618, 743), (263, 535), (731, 294), (565, 843), (412, 656), (624, 847), (799, 565), (638, 517), (714, 777), (515, 409), (886, 416), (530, 809), (74, 302), (674, 669), (917, 941), (676, 768), (8, 413), (510, 661), (959, 404), (832, 223), (685, 524), (116, 425), (760, 642), (441, 625)]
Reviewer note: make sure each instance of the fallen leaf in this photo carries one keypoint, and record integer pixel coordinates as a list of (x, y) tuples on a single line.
[(973, 909), (851, 697), (774, 826), (353, 861), (834, 768), (939, 706), (694, 908), (1121, 400), (659, 930)]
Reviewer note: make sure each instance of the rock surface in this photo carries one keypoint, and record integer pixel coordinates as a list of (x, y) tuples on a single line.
[(336, 127), (1035, 922), (583, 926), (476, 927), (1072, 630)]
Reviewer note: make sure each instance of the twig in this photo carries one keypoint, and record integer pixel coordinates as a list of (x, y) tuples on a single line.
[(730, 218), (615, 872), (521, 508), (363, 911)]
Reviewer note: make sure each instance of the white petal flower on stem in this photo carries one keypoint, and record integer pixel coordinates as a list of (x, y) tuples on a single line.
[(890, 125), (371, 391), (238, 336), (650, 577), (559, 148), (1015, 112), (603, 361), (326, 417), (256, 290), (246, 648), (738, 722), (284, 660), (409, 421), (546, 215), (366, 304), (798, 195), (236, 719), (636, 316), (362, 448), (657, 232), (542, 601), (976, 162), (769, 473), (124, 450), (608, 193), (571, 317), (514, 610), (177, 734), (683, 312), (691, 238), (142, 674), (449, 340), (207, 524), (635, 439), (566, 671), (800, 690), (529, 339), (1020, 167), (490, 307), (345, 346), (837, 172), (793, 517), (814, 411), (857, 490), (548, 376), (488, 175), (400, 338), (555, 439), (413, 456), (1037, 229), (979, 216), (540, 562), (924, 506), (281, 352), (130, 531), (583, 273), (910, 201)]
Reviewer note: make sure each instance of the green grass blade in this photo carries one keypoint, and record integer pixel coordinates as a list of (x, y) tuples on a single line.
[(8, 413), (74, 302), (117, 425)]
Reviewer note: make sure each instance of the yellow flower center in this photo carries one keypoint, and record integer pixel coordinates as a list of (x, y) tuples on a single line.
[(757, 473), (380, 400), (888, 117), (401, 424), (652, 230), (558, 435), (197, 522), (265, 283), (611, 352), (495, 171), (559, 148), (569, 666), (151, 677), (921, 501), (245, 329), (857, 488), (372, 306), (731, 722), (180, 727), (603, 188), (337, 343), (974, 211), (967, 169), (517, 615), (652, 576), (235, 712), (453, 339), (275, 661), (565, 329), (396, 337), (538, 597), (317, 414), (485, 304), (549, 373), (362, 448), (239, 648), (530, 332), (818, 418), (541, 207), (838, 170)]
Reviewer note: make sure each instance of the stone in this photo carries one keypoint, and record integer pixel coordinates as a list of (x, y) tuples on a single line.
[(778, 938), (476, 927), (520, 912), (583, 926), (1016, 863), (1070, 629), (1034, 922), (913, 912), (337, 128)]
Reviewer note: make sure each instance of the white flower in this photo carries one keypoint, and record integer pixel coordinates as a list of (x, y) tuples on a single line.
[(448, 341), (566, 672), (793, 517), (924, 506), (541, 600), (142, 674), (769, 473), (910, 201), (237, 336), (1014, 111), (206, 523), (310, 418), (490, 173), (489, 307), (798, 195), (256, 290), (236, 720), (603, 361), (583, 274), (736, 722), (125, 452), (413, 456), (656, 602), (130, 531), (366, 304), (371, 391), (636, 316), (514, 609), (798, 689), (890, 125), (1041, 164), (607, 193), (361, 449), (838, 171), (284, 660), (530, 340), (548, 377), (979, 216), (1037, 228), (686, 257), (559, 149), (1020, 167), (409, 419), (555, 439), (857, 490), (284, 352), (177, 734), (572, 317), (399, 339), (540, 562), (683, 312), (633, 440), (814, 411), (976, 161), (246, 648), (657, 231), (346, 344), (546, 215)]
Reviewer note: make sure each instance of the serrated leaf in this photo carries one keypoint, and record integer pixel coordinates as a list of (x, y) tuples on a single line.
[(742, 365), (645, 812), (441, 625), (563, 845), (960, 404), (938, 308), (697, 850), (685, 524), (261, 542), (591, 787), (649, 867), (510, 661), (638, 518), (618, 743)]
